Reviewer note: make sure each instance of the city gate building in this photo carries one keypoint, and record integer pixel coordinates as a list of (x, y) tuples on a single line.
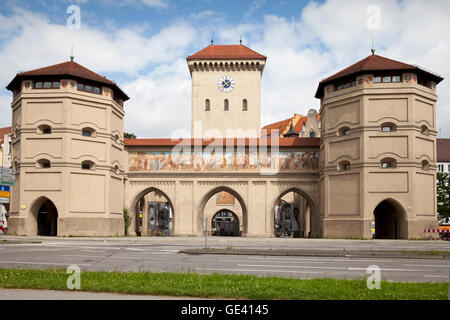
[(375, 159)]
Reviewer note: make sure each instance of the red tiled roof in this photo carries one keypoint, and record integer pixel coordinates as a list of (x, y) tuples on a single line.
[(443, 150), (283, 142), (226, 52), (284, 125), (69, 68), (372, 63), (4, 131)]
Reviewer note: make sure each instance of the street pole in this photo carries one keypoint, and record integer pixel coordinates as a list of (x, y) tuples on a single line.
[(206, 234)]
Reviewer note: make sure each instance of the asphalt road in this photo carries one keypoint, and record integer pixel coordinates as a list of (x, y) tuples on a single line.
[(162, 254)]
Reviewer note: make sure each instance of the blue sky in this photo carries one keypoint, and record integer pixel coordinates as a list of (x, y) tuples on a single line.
[(142, 45)]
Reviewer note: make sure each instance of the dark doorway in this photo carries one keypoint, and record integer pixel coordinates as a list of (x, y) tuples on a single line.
[(47, 219), (389, 221), (225, 223)]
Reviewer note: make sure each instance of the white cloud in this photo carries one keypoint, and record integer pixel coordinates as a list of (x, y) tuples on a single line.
[(155, 3)]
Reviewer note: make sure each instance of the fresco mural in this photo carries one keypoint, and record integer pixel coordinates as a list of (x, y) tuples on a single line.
[(224, 198), (227, 161)]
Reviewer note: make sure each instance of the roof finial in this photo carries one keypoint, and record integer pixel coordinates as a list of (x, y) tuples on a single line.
[(71, 54), (212, 39), (240, 40)]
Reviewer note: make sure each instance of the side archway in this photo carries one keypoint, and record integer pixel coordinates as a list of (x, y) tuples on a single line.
[(157, 210), (390, 220), (302, 217), (45, 217), (211, 193)]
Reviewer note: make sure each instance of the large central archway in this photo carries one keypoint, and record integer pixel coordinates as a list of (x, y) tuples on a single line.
[(153, 213), (208, 197), (390, 220), (225, 223)]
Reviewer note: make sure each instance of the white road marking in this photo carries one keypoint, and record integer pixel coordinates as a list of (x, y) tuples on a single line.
[(44, 263), (96, 251), (259, 270), (135, 249), (328, 268), (432, 276), (427, 265)]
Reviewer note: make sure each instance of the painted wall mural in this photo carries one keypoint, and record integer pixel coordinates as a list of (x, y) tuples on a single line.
[(227, 161)]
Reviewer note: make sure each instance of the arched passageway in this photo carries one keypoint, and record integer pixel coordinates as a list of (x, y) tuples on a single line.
[(225, 223), (293, 215), (47, 219), (389, 221), (154, 214), (225, 201)]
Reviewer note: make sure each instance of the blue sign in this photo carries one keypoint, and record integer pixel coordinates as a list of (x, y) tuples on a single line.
[(5, 188)]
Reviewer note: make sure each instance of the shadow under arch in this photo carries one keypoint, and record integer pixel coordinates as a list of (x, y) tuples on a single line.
[(208, 195), (314, 218), (390, 220), (45, 215), (138, 197)]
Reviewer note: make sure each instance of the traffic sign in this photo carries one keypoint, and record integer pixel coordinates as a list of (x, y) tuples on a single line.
[(7, 176), (4, 200), (4, 194)]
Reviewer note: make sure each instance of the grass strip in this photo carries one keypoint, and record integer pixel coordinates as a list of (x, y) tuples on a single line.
[(221, 285)]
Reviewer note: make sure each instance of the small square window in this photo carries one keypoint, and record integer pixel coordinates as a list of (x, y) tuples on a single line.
[(56, 84), (88, 88), (339, 87), (386, 129), (80, 87), (86, 133), (353, 83), (386, 165), (38, 85), (347, 85), (387, 79), (376, 79), (97, 90), (396, 79), (47, 85)]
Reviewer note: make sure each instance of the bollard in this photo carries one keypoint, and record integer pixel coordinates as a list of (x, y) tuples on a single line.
[(206, 234)]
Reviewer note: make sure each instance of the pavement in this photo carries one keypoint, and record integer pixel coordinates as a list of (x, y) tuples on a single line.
[(327, 258)]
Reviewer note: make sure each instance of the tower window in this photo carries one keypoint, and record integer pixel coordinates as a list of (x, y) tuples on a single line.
[(44, 163), (425, 165), (424, 130), (87, 165), (344, 131), (207, 105), (88, 88), (388, 127), (225, 105), (312, 134), (88, 132), (388, 163), (344, 166), (44, 129), (244, 105), (46, 85)]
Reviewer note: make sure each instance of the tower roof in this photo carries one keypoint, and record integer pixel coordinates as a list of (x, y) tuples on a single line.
[(373, 63), (224, 52), (69, 68)]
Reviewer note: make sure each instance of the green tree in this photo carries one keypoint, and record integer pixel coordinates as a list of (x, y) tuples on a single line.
[(443, 195), (129, 135)]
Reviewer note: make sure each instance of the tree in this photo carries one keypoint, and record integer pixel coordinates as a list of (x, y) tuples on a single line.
[(129, 135), (443, 196)]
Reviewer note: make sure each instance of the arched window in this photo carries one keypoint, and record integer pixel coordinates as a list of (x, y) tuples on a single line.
[(244, 105), (344, 131), (87, 165), (312, 134), (425, 165), (207, 105), (343, 165), (45, 129), (88, 132), (43, 163), (387, 163), (388, 127), (225, 105), (424, 130)]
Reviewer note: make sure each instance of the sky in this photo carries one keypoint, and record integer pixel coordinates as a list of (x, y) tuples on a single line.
[(142, 45)]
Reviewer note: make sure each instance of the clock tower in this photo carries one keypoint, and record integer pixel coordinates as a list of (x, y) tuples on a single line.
[(226, 91)]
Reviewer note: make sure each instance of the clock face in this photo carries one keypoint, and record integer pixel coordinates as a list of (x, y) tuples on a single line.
[(225, 84)]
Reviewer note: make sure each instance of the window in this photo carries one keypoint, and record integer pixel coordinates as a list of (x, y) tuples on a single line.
[(207, 105), (387, 163), (88, 132), (376, 79), (387, 78), (46, 85), (344, 131), (44, 129), (88, 88), (425, 165), (441, 167), (244, 105), (87, 165), (344, 166), (225, 105), (346, 84), (388, 127), (424, 130), (396, 79), (43, 163), (312, 134)]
